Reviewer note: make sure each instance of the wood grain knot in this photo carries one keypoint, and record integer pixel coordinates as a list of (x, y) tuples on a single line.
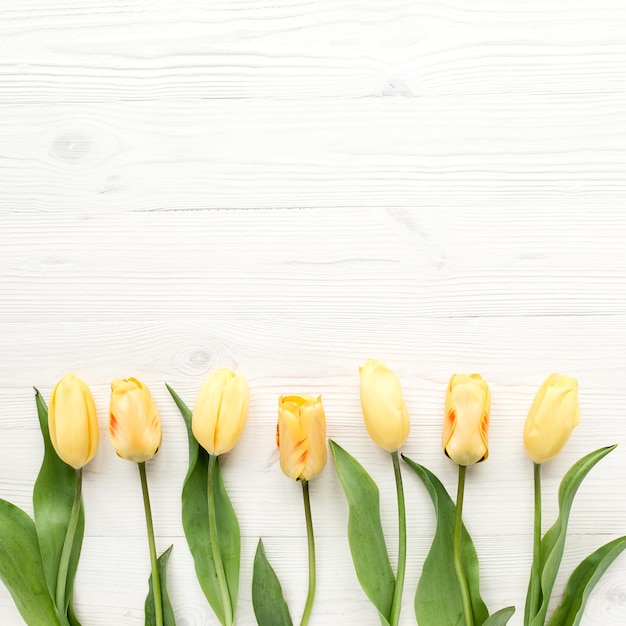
[(71, 146)]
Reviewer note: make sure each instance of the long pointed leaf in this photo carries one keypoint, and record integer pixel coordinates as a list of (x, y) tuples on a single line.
[(501, 617), (583, 580), (168, 612), (21, 568), (196, 522), (268, 601), (365, 532), (553, 542), (438, 598), (53, 495)]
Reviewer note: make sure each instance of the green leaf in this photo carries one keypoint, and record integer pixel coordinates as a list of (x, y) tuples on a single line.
[(501, 617), (269, 604), (168, 613), (196, 522), (365, 532), (438, 597), (553, 542), (53, 495), (21, 568), (71, 616), (583, 580)]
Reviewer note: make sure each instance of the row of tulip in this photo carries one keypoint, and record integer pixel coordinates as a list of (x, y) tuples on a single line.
[(448, 590)]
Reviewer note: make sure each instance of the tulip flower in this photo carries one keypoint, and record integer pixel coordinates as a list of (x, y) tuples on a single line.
[(220, 412), (466, 421), (387, 422), (72, 421), (552, 416), (386, 415), (134, 422), (301, 436), (468, 403), (73, 428), (217, 422), (135, 432), (301, 441)]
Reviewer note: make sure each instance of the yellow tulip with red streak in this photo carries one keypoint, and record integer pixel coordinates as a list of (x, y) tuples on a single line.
[(301, 436), (134, 421), (466, 419)]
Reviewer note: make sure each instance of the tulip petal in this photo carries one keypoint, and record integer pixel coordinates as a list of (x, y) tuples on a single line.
[(74, 435), (233, 412), (385, 413), (552, 416), (72, 421), (301, 436), (313, 423), (466, 419), (134, 421), (220, 412), (207, 409), (294, 449)]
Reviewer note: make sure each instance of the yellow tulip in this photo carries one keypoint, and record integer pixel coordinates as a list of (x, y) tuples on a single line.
[(552, 416), (301, 436), (72, 422), (134, 421), (220, 412), (466, 422), (386, 415)]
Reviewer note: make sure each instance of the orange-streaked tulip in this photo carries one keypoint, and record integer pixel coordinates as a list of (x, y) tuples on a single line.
[(72, 422), (468, 403), (134, 421), (220, 412), (386, 415), (301, 436), (552, 416)]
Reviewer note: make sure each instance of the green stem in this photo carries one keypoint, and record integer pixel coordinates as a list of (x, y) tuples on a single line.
[(458, 563), (156, 581), (535, 575), (308, 607), (396, 605), (215, 546), (66, 552)]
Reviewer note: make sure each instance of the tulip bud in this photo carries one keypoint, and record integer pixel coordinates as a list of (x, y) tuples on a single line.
[(301, 436), (468, 403), (220, 412), (134, 422), (72, 422), (552, 416), (386, 415)]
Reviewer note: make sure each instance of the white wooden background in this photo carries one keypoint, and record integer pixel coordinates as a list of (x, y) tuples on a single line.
[(288, 188)]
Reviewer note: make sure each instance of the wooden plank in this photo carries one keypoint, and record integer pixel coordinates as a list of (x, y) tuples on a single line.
[(138, 50), (463, 154)]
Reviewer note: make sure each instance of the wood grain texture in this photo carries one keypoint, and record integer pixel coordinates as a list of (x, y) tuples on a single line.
[(140, 50), (463, 154), (288, 189)]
